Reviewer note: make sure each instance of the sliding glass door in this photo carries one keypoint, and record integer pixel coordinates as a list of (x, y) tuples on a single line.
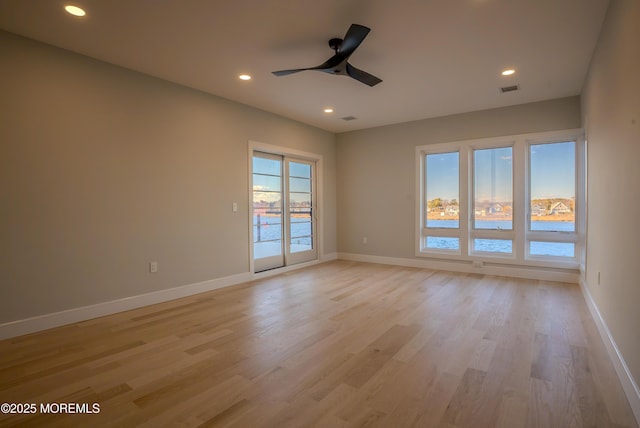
[(283, 211), (300, 227), (268, 224)]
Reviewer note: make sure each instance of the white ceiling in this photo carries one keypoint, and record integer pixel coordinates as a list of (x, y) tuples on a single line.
[(435, 57)]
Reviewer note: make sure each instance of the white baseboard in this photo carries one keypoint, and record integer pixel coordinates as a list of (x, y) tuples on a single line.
[(487, 269), (69, 316), (329, 257), (629, 385), (57, 319)]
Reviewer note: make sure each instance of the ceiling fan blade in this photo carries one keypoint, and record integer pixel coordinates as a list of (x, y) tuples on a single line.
[(287, 72), (355, 35), (328, 65), (362, 76)]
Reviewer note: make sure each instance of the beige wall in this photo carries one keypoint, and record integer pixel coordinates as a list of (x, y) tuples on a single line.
[(611, 114), (377, 175), (103, 169)]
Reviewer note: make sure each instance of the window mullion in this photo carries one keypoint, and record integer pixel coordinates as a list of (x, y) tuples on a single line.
[(553, 236), (465, 162), (520, 195)]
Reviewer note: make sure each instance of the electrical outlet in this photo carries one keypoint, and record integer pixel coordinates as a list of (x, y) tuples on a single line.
[(234, 207), (153, 267), (364, 240)]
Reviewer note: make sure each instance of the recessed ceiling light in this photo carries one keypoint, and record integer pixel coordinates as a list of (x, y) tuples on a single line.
[(74, 10), (328, 110), (508, 72), (244, 77)]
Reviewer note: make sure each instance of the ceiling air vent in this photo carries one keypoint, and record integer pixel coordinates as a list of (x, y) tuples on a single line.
[(348, 118), (509, 88)]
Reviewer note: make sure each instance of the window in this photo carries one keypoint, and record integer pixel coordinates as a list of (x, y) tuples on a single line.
[(514, 200), (552, 199), (442, 207), (300, 206), (267, 206), (492, 200)]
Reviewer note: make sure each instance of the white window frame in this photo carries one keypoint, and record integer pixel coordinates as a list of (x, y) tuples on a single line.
[(520, 236), (491, 233), (461, 231), (577, 236)]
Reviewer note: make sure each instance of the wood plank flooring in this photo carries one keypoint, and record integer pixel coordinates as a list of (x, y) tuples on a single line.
[(340, 344)]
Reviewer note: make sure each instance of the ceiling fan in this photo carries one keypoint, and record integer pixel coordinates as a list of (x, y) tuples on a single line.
[(338, 64)]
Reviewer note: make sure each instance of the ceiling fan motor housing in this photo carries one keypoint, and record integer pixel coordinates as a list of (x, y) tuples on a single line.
[(335, 44)]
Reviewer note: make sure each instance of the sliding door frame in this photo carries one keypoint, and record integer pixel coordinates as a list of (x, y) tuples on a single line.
[(288, 154)]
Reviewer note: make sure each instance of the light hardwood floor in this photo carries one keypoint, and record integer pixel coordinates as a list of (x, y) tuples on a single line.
[(338, 344)]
